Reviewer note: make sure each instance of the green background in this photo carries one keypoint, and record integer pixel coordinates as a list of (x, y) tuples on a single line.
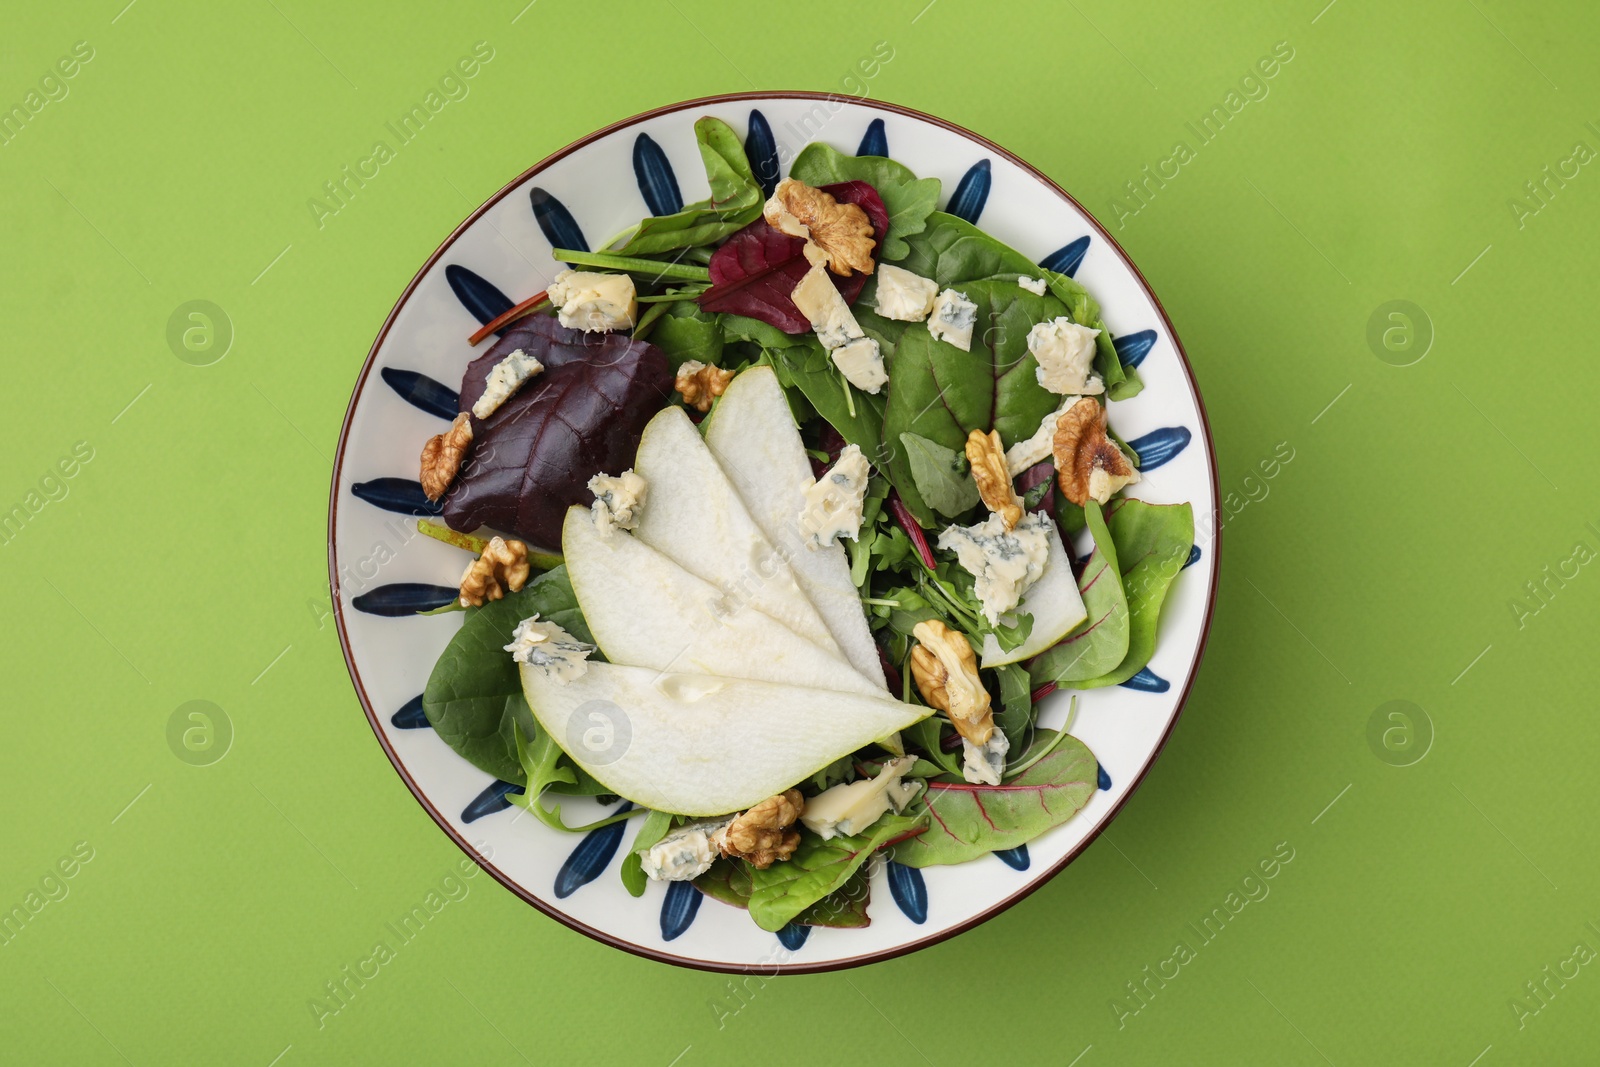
[(186, 560)]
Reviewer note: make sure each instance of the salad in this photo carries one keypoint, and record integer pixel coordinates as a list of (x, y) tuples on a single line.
[(772, 504)]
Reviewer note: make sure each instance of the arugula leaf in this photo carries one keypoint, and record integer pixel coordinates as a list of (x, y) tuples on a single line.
[(684, 332), (1100, 641), (967, 821), (818, 869), (474, 698), (908, 199), (656, 825), (544, 767), (729, 881), (735, 200), (1153, 541), (940, 393), (942, 475)]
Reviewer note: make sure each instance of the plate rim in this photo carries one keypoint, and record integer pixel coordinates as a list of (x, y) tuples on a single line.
[(773, 968)]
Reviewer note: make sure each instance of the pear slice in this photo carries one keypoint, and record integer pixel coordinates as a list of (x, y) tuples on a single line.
[(752, 434), (695, 744), (695, 516), (1054, 603), (647, 611)]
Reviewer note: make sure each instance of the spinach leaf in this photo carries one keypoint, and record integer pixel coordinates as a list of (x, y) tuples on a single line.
[(819, 869), (474, 696), (940, 393), (1153, 541), (908, 199), (684, 332), (856, 415), (1122, 383), (730, 882), (1015, 715), (1100, 642), (967, 821), (927, 735), (735, 200), (942, 475), (651, 831)]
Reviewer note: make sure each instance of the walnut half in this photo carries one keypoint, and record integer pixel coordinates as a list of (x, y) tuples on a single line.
[(990, 471), (838, 235), (1088, 463), (442, 456), (503, 563), (701, 383), (946, 671), (763, 835)]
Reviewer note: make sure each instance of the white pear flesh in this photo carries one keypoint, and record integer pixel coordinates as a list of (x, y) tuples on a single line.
[(695, 516), (646, 611), (694, 744), (1054, 603), (752, 434)]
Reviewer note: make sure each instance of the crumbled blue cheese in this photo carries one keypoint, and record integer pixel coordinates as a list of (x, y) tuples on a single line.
[(1036, 286), (618, 499), (1024, 454), (902, 295), (1065, 352), (952, 318), (1004, 562), (862, 364), (592, 301), (851, 807), (685, 853), (984, 764), (504, 380), (547, 648), (819, 301), (834, 504)]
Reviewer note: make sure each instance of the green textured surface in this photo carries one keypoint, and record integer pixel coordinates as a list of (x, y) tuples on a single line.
[(186, 560)]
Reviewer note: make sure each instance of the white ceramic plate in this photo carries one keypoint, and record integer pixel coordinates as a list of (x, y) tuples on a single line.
[(377, 558)]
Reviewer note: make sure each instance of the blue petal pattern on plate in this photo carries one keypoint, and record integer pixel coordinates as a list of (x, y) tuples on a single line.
[(973, 192), (1147, 681), (909, 891), (793, 935), (1194, 556), (875, 142), (1102, 779), (490, 800), (1068, 258), (679, 909), (410, 716), (477, 294), (1015, 858), (402, 495), (404, 598), (1160, 446), (657, 184), (762, 151), (421, 391), (559, 227), (1133, 348), (592, 856)]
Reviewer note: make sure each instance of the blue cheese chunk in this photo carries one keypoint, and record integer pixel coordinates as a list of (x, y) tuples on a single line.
[(550, 650), (1036, 286), (504, 380), (819, 301), (1024, 454), (984, 764), (833, 505), (1065, 352), (685, 853), (594, 302), (952, 318), (1004, 562), (618, 500), (902, 295), (861, 363), (851, 807)]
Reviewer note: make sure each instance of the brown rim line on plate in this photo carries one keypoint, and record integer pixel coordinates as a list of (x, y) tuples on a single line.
[(773, 968)]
